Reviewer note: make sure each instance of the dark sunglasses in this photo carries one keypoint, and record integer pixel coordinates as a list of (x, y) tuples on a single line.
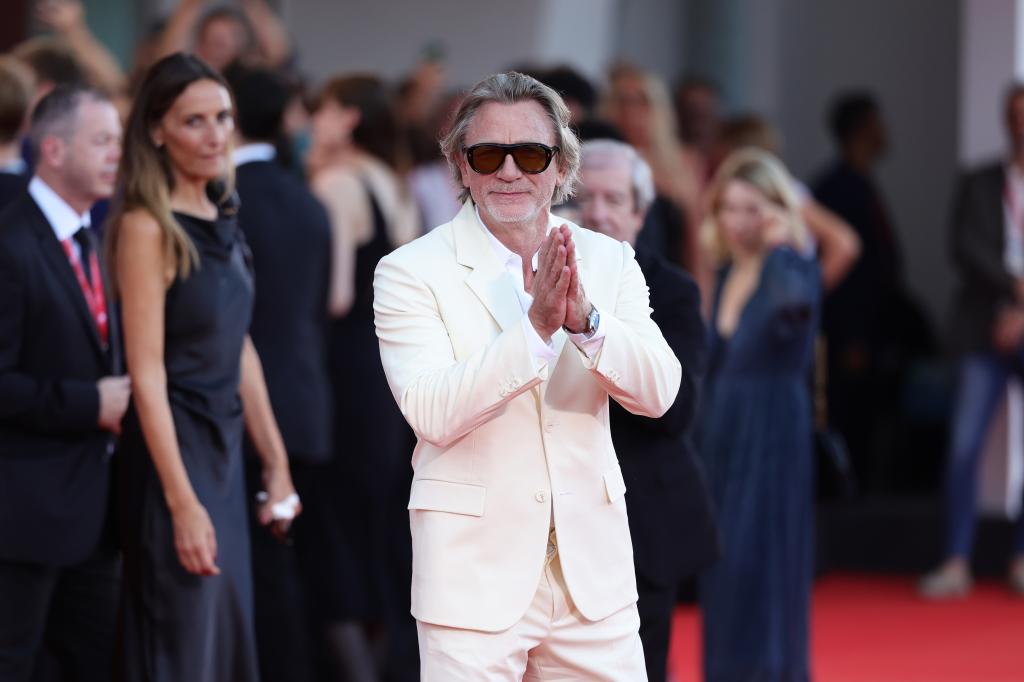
[(530, 157)]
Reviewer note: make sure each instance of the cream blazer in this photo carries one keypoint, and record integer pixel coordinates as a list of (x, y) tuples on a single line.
[(505, 441)]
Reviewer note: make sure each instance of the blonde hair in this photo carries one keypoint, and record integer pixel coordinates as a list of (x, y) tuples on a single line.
[(664, 147), (144, 177), (767, 175), (750, 130)]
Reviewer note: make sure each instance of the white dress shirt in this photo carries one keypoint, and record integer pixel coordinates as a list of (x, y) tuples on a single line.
[(62, 218), (1013, 208), (15, 166), (543, 352), (254, 151)]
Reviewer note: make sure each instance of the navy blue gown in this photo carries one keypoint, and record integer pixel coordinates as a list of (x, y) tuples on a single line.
[(756, 439)]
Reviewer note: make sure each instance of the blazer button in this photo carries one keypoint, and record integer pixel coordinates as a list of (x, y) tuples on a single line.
[(541, 496)]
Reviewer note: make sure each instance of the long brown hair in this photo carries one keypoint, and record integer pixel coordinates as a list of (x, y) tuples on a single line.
[(144, 177), (377, 132)]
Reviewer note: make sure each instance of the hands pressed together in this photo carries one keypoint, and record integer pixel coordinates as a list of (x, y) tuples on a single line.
[(558, 296)]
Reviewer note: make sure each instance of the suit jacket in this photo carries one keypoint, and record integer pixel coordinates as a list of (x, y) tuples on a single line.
[(290, 237), (977, 244), (54, 460), (670, 515), (506, 442), (12, 186)]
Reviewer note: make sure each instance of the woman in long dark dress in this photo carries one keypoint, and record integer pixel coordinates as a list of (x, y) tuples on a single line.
[(755, 427), (181, 271)]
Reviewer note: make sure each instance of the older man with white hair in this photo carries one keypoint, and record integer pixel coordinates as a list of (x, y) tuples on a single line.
[(670, 516), (503, 334)]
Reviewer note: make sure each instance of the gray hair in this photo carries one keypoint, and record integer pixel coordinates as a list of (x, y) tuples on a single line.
[(597, 153), (510, 88), (57, 113)]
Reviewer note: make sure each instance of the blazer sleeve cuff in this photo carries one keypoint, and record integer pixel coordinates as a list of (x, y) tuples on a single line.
[(82, 404)]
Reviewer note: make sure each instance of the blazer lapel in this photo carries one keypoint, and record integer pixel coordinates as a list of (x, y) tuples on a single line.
[(488, 279), (57, 261)]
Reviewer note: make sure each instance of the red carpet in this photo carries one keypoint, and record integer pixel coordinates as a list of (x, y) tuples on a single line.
[(871, 629)]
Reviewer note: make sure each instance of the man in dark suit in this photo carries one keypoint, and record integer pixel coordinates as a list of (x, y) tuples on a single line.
[(860, 315), (988, 334), (670, 516), (61, 401), (290, 237)]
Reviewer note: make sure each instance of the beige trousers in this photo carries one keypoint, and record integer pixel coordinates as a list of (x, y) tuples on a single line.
[(552, 642)]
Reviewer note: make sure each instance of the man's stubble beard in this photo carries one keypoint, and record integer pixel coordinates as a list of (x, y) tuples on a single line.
[(502, 215)]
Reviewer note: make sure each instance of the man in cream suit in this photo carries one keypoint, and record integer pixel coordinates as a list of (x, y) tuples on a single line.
[(503, 334)]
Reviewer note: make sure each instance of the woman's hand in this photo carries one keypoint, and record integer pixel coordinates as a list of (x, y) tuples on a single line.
[(277, 481), (775, 229), (195, 539), (63, 16)]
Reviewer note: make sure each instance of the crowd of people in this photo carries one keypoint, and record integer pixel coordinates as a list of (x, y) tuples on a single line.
[(251, 327)]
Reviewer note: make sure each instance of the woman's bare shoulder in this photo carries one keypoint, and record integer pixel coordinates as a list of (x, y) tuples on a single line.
[(335, 180), (140, 224)]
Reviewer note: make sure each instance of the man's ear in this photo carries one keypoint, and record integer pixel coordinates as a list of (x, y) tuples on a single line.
[(53, 150)]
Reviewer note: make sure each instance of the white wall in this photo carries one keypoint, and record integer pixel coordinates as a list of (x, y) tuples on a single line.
[(987, 56), (480, 37), (907, 53), (652, 34)]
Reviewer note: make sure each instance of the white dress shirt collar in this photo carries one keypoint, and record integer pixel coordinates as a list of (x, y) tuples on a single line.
[(542, 351), (511, 260), (15, 166), (254, 151), (62, 218)]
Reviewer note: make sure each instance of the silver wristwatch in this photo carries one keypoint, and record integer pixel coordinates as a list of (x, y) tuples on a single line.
[(593, 319)]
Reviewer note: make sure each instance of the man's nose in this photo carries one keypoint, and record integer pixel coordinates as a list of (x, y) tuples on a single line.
[(508, 169), (597, 210)]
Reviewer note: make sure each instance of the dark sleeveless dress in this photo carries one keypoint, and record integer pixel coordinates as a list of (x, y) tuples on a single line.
[(371, 469), (177, 626), (755, 436)]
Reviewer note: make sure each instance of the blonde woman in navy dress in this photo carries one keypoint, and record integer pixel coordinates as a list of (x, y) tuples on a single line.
[(755, 428)]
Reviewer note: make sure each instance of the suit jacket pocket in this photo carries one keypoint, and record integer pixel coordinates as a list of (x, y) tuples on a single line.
[(447, 496), (614, 485)]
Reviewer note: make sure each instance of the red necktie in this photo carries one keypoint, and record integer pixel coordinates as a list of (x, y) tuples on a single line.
[(91, 282)]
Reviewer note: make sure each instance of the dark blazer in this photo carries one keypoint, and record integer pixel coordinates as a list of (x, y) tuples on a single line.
[(290, 237), (977, 243), (12, 186), (670, 518), (54, 460)]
